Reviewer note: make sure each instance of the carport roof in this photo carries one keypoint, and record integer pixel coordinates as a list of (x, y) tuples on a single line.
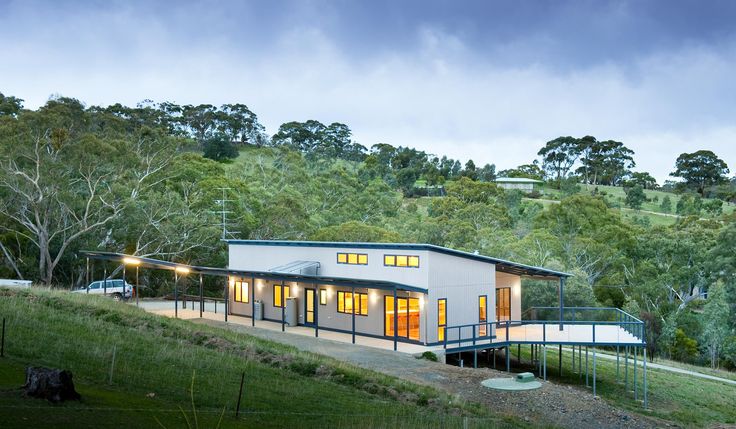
[(212, 271)]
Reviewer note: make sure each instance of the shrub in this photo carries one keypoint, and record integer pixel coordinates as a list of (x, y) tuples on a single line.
[(429, 356)]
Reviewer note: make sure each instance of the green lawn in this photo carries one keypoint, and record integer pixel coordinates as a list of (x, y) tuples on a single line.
[(677, 398), (166, 357)]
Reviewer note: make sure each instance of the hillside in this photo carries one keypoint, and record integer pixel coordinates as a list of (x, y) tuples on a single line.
[(165, 368)]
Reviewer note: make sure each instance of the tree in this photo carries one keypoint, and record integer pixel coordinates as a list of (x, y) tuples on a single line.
[(700, 170), (635, 197), (240, 124), (487, 173), (219, 147), (644, 179), (528, 171), (9, 105), (666, 205), (356, 232), (470, 171), (559, 155), (717, 320), (604, 162)]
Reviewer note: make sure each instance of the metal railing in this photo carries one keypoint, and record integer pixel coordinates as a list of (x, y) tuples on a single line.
[(580, 325)]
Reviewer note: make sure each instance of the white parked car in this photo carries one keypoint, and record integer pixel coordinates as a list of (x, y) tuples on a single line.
[(114, 289)]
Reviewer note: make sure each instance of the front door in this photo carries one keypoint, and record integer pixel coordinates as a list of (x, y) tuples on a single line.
[(310, 296)]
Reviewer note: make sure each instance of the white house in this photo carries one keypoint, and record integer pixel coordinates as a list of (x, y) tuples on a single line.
[(435, 287), (519, 183)]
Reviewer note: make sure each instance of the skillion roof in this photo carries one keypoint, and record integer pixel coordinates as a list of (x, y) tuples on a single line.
[(502, 265)]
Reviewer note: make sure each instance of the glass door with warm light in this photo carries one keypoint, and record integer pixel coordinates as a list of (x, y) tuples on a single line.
[(407, 317), (503, 304), (310, 298)]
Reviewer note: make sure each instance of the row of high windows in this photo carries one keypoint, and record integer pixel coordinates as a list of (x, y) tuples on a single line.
[(411, 261)]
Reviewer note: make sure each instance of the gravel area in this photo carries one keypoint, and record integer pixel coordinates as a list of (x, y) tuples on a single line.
[(550, 405)]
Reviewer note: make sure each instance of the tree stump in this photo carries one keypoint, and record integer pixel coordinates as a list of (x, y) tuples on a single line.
[(54, 385)]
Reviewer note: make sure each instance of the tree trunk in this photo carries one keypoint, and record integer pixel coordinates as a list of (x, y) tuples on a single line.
[(53, 385)]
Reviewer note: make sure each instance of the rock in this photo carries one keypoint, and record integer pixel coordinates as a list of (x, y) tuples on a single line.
[(54, 385)]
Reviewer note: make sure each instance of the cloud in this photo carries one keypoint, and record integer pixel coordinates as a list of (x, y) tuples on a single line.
[(437, 90)]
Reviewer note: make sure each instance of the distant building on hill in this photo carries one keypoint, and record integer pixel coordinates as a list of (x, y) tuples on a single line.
[(519, 183)]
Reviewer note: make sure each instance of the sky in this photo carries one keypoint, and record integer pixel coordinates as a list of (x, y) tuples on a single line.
[(487, 80)]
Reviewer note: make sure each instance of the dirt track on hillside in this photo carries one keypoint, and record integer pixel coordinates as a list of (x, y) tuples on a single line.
[(551, 405)]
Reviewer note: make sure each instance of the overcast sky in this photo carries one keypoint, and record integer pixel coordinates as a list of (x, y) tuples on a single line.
[(487, 80)]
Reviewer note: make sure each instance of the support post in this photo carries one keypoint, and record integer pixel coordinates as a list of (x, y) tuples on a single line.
[(646, 404), (518, 352), (353, 306), (573, 358), (201, 295), (226, 295), (593, 371), (104, 280), (636, 392), (136, 285), (396, 321), (124, 284), (617, 363), (87, 275), (475, 358), (560, 363), (562, 295), (508, 359), (176, 294), (626, 368), (587, 383), (494, 358), (316, 310), (283, 308), (253, 301), (544, 357)]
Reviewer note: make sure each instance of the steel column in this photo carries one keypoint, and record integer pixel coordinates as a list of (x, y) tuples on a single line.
[(104, 280), (508, 359), (587, 383), (283, 308), (562, 295), (396, 321), (176, 294), (644, 349), (253, 301), (136, 285), (617, 363), (560, 363), (593, 371), (227, 297), (626, 368), (636, 392), (353, 306), (87, 276), (124, 284), (544, 357)]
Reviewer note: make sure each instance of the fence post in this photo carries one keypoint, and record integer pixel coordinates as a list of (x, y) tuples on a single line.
[(240, 394), (2, 341)]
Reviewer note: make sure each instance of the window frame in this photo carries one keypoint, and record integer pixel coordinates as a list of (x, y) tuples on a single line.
[(349, 255), (357, 310), (283, 297), (441, 326), (244, 298), (395, 258)]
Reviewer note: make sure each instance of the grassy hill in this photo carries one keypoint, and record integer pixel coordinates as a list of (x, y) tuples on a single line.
[(165, 369)]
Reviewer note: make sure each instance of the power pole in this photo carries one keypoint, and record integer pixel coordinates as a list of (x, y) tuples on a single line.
[(224, 212)]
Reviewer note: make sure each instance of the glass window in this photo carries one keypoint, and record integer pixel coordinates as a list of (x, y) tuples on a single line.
[(279, 295), (95, 285), (346, 303), (323, 297), (441, 318), (482, 315), (401, 261), (363, 304), (352, 258), (241, 292), (503, 304)]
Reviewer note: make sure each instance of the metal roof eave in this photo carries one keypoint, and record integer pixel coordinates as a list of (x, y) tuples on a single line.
[(305, 278), (502, 265)]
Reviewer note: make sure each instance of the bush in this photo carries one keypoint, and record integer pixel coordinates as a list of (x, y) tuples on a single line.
[(429, 356)]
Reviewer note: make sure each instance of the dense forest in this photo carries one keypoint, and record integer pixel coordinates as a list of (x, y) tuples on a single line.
[(153, 180)]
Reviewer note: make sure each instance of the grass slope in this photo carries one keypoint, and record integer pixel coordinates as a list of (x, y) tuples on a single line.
[(677, 398), (188, 366)]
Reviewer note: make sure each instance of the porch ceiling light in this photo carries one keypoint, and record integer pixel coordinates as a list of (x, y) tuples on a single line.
[(131, 261)]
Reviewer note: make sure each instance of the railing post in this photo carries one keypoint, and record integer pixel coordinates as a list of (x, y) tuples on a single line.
[(593, 332), (544, 333), (508, 323)]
